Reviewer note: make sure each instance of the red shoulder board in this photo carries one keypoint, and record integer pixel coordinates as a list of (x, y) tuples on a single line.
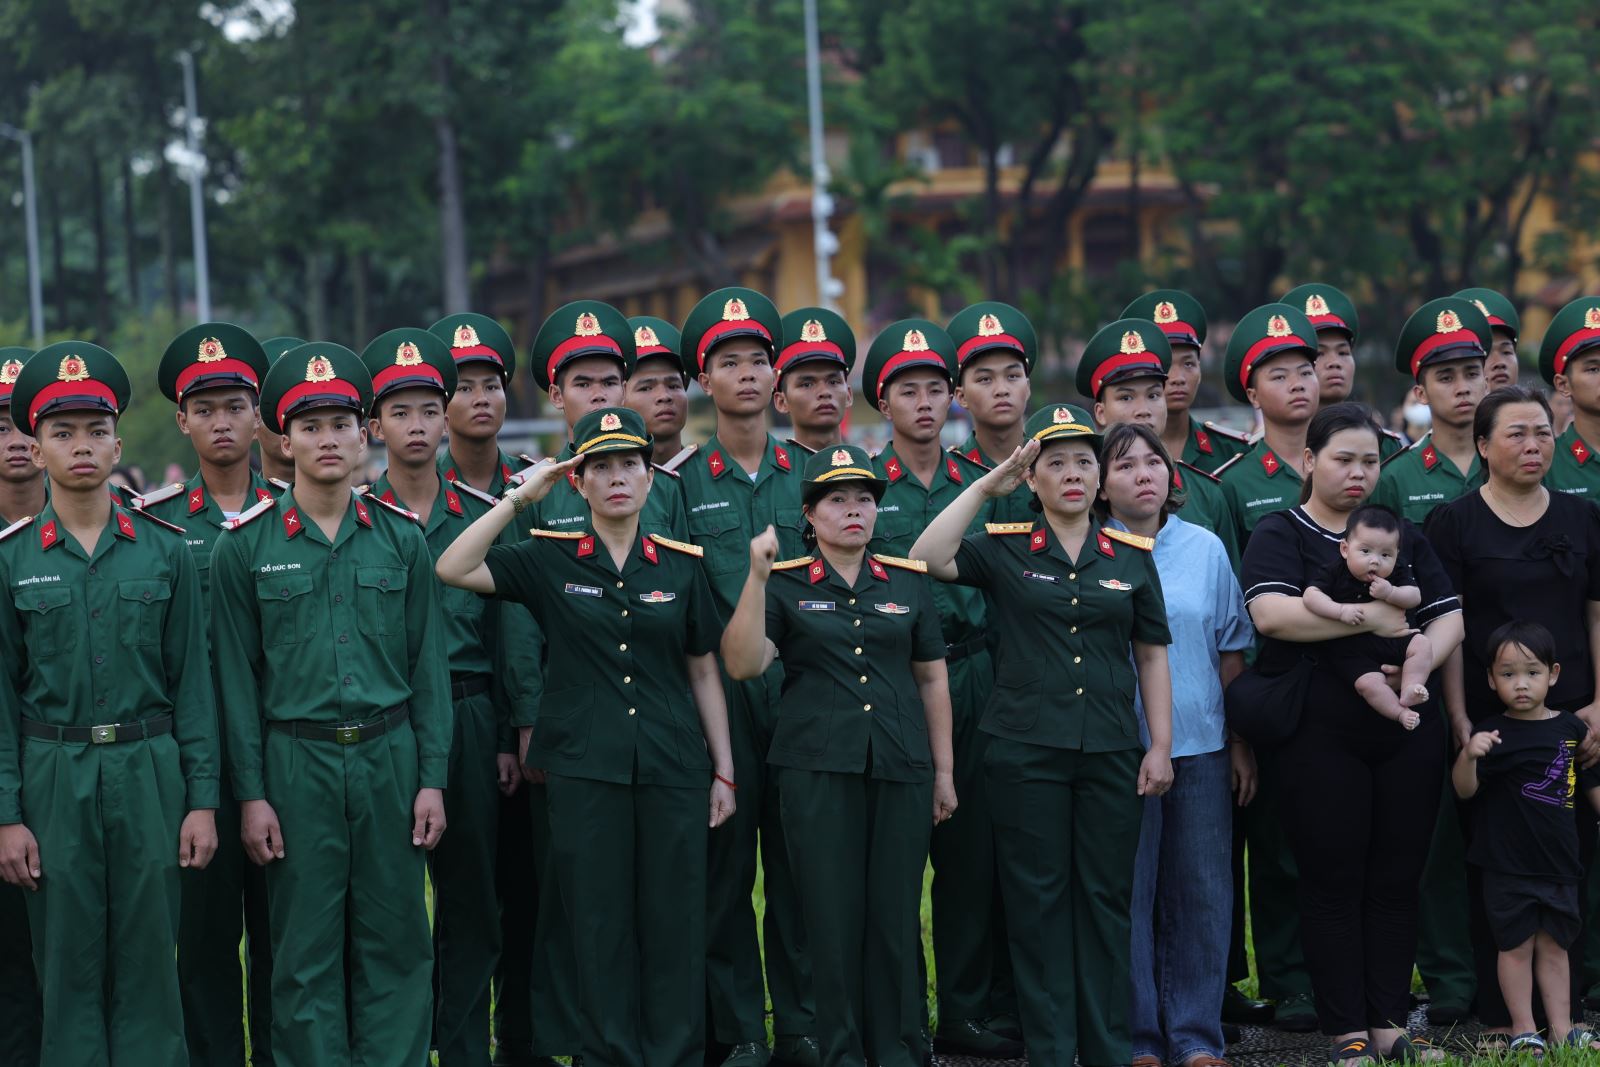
[(586, 546), (892, 468), (505, 471), (953, 469), (363, 516), (1202, 441), (1103, 543), (975, 455), (780, 456), (260, 507), (1177, 478), (125, 526), (715, 465)]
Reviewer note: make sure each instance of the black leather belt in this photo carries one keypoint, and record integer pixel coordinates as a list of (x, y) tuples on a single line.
[(343, 733), (962, 650), (111, 733), (469, 685)]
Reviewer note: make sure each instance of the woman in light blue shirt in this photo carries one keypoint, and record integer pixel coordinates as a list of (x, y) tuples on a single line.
[(1182, 894)]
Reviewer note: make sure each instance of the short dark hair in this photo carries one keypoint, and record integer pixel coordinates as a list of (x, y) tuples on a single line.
[(1336, 418), (1483, 420), (1536, 639), (1373, 517), (1121, 438)]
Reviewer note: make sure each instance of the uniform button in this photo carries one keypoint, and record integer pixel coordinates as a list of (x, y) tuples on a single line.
[(632, 711), (624, 613), (619, 585), (93, 571), (1077, 659), (1072, 577), (284, 591), (99, 659), (100, 703), (333, 555), (852, 600), (1074, 600), (1073, 630), (1080, 692), (95, 614), (383, 583), (338, 598), (344, 639), (857, 622), (863, 679), (147, 595), (627, 679), (858, 652), (622, 647), (866, 707), (347, 681)]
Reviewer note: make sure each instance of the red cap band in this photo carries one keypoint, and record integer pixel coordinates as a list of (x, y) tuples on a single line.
[(463, 355), (1268, 346), (396, 376), (1329, 322), (338, 393), (1180, 332), (730, 328), (901, 360), (232, 369), (1571, 346), (1454, 339), (58, 394), (574, 347), (802, 351), (1144, 361), (973, 345)]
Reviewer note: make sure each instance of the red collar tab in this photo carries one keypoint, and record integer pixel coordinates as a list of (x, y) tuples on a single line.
[(388, 497), (572, 478), (47, 535), (1177, 478), (817, 572), (452, 502), (362, 515), (450, 475), (1270, 462), (505, 471), (1580, 451), (125, 526), (1430, 458), (1202, 441), (650, 551), (892, 468), (197, 499), (586, 547), (953, 469), (1039, 541), (878, 570), (715, 465), (291, 522), (975, 455), (781, 457), (263, 494), (1103, 543)]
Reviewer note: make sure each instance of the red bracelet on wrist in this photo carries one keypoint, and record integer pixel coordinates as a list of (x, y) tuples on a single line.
[(727, 782)]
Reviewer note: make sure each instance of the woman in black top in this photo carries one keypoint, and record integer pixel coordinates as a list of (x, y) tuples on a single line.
[(1517, 551), (1361, 792)]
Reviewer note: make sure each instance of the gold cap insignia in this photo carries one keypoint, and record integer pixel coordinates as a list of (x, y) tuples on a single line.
[(72, 369), (1277, 326), (645, 337), (319, 369), (812, 332), (610, 421), (1166, 312), (1061, 415), (841, 458), (1591, 319), (1316, 305), (1132, 343), (587, 326), (211, 351), (1481, 306), (407, 355), (466, 337), (9, 372), (1447, 322), (734, 311), (989, 326), (914, 342)]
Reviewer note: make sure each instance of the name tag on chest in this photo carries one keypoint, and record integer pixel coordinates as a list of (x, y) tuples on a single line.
[(817, 605), (1037, 577), (584, 590)]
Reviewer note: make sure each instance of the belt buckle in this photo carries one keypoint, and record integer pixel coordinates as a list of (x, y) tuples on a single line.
[(103, 735), (347, 735)]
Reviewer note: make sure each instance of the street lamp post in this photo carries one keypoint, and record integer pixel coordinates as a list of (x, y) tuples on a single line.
[(30, 208), (197, 201), (823, 241)]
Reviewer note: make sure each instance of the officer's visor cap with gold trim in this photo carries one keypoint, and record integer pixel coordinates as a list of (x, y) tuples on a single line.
[(816, 335), (12, 357), (1123, 351), (68, 376), (212, 355), (655, 338), (1270, 331), (829, 468), (611, 430), (318, 374), (1326, 307), (1501, 312), (277, 346), (475, 338), (583, 329), (903, 346), (1179, 315), (1441, 330), (726, 314), (1574, 332), (1054, 423), (991, 326), (409, 358)]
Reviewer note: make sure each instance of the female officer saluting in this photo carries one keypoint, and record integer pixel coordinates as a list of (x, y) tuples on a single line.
[(863, 743), (631, 633), (1068, 601)]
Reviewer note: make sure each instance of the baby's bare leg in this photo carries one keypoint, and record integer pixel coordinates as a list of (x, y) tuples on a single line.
[(1415, 670), (1374, 689)]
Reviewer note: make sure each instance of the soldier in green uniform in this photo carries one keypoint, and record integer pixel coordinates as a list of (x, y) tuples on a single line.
[(1569, 359), (1338, 328), (738, 483), (995, 352), (22, 493), (1443, 348), (1204, 446), (213, 373), (108, 731), (325, 606), (658, 388), (1079, 617), (814, 376), (909, 377), (1502, 367), (862, 748), (633, 735), (485, 362), (1123, 371), (276, 467), (1271, 365)]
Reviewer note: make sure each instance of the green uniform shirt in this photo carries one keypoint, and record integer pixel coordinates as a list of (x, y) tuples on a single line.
[(1257, 483), (1421, 478), (331, 633), (189, 505), (850, 701), (1063, 674), (112, 636), (617, 707), (1209, 446), (1013, 508), (726, 508), (1206, 506), (905, 511), (509, 465), (1574, 469), (1390, 444), (564, 508)]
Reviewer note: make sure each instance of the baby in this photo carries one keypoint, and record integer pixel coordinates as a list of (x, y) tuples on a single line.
[(1369, 571)]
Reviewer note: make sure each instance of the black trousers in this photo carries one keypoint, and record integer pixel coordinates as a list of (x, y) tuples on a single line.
[(1360, 798)]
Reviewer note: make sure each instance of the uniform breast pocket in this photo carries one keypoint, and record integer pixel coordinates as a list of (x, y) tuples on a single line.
[(47, 619), (141, 609), (894, 533), (718, 532), (562, 728), (381, 599), (1016, 699), (287, 617), (790, 524)]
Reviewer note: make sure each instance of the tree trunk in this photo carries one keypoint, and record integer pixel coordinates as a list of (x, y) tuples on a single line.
[(169, 255), (316, 296), (452, 209), (58, 255), (130, 235), (359, 298), (102, 298)]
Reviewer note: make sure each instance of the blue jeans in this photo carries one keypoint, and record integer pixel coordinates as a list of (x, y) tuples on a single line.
[(1182, 912)]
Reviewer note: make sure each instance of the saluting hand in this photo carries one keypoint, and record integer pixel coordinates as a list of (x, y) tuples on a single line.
[(538, 480), (763, 553), (197, 839), (429, 814), (944, 796), (260, 832), (19, 856), (1011, 472)]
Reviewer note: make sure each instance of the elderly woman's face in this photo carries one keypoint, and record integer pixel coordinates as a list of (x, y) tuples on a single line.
[(1065, 478), (844, 517), (1136, 483), (1520, 445), (615, 484)]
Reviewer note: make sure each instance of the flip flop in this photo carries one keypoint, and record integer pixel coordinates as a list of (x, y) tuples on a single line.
[(1357, 1048), (1408, 1049), (1581, 1037), (1532, 1044)]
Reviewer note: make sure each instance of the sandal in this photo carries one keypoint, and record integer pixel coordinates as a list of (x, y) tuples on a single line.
[(1492, 1044), (1532, 1044), (1354, 1049), (1412, 1050), (1581, 1037)]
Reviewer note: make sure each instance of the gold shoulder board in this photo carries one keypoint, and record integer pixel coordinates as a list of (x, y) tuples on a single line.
[(792, 564), (678, 546), (256, 510), (1136, 540), (560, 535), (1008, 527), (904, 564), (20, 524)]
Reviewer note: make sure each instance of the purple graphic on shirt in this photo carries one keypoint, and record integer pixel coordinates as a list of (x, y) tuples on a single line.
[(1559, 781)]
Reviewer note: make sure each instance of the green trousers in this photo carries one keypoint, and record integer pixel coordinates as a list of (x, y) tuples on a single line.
[(553, 993), (105, 918), (466, 919), (858, 847), (1274, 890), (1066, 828), (734, 957), (1444, 941), (20, 1010), (971, 957), (350, 881), (631, 860)]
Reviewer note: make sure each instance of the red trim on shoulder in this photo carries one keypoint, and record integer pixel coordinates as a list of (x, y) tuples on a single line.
[(363, 516)]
